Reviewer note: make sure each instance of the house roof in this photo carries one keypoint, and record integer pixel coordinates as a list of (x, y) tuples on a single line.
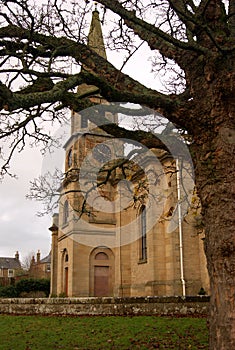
[(47, 259), (9, 263)]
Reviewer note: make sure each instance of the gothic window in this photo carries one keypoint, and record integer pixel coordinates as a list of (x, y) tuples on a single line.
[(66, 212), (66, 259), (70, 157), (143, 234)]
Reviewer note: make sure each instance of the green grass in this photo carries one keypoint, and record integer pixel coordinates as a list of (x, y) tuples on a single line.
[(114, 332)]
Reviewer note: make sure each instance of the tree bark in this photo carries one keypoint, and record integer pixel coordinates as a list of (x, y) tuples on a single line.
[(215, 173)]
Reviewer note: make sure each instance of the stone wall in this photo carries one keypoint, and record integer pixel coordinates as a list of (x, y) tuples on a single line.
[(196, 305)]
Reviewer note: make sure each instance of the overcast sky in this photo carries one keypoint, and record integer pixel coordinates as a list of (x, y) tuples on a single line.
[(20, 228)]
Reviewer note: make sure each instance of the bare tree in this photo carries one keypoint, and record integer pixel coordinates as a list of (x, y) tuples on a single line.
[(194, 41), (27, 260)]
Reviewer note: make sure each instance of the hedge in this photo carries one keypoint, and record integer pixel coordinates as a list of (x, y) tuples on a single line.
[(26, 286)]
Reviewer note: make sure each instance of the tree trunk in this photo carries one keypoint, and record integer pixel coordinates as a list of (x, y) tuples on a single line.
[(215, 173)]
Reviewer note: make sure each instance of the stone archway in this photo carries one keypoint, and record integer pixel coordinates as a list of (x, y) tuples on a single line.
[(101, 272)]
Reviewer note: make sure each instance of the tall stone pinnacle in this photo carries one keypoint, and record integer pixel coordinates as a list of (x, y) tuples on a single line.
[(95, 36)]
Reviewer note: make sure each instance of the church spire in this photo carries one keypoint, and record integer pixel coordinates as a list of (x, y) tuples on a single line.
[(95, 36)]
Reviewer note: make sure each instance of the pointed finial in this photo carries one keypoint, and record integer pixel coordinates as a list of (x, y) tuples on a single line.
[(95, 4)]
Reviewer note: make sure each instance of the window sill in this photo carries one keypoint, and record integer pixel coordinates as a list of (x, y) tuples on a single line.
[(142, 261)]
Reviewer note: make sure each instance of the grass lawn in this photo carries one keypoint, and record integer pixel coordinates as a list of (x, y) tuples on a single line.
[(111, 332)]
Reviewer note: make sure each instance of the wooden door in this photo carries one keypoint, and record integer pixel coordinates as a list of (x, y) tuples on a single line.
[(101, 282)]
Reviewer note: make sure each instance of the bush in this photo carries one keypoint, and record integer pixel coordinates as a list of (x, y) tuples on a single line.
[(26, 287), (62, 295), (8, 292), (33, 285)]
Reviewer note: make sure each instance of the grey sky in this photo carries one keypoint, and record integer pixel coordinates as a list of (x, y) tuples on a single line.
[(20, 228)]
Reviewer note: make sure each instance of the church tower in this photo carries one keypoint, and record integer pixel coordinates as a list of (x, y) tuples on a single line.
[(84, 264)]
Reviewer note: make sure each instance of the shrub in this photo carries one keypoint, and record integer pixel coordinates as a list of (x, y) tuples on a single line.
[(62, 295), (33, 285), (202, 291), (8, 292), (26, 287)]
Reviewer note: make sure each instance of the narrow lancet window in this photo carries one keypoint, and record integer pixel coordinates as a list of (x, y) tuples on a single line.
[(143, 237)]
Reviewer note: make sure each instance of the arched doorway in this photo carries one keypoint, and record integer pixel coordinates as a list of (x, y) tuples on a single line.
[(101, 272), (65, 273)]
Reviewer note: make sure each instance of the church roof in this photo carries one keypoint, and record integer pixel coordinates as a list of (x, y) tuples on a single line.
[(9, 263)]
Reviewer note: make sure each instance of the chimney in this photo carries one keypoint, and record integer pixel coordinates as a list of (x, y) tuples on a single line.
[(17, 257), (38, 256)]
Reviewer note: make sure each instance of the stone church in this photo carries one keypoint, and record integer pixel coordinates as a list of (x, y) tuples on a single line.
[(111, 236)]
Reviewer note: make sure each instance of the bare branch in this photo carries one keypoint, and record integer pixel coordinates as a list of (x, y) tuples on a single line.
[(156, 38)]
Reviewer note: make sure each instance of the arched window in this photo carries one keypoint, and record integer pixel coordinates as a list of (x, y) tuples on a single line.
[(70, 157), (65, 212), (143, 234)]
